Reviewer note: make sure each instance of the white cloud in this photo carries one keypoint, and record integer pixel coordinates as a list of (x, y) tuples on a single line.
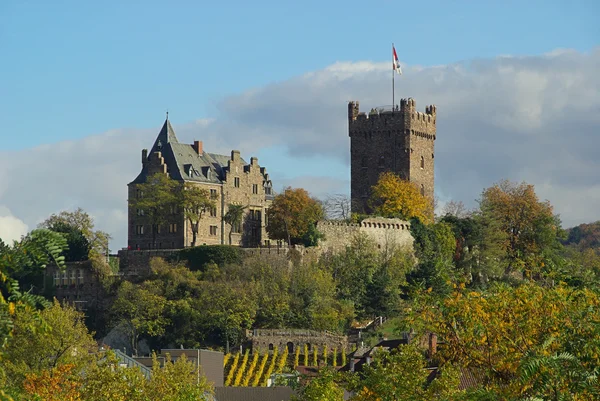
[(11, 228), (533, 118)]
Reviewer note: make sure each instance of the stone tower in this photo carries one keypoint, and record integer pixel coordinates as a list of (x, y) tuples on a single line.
[(400, 140)]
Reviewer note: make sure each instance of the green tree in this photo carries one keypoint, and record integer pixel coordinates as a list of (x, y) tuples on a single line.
[(140, 311), (291, 215), (403, 375), (325, 387), (58, 337), (233, 217), (195, 201), (180, 380), (155, 198), (78, 223)]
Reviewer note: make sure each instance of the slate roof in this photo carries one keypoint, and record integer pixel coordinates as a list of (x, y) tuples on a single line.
[(183, 163)]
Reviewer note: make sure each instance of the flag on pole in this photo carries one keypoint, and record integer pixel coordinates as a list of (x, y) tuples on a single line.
[(396, 64)]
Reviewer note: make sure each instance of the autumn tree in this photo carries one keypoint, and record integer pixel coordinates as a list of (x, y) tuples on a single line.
[(293, 216), (58, 337), (499, 334), (394, 197), (155, 199), (233, 217), (195, 201), (530, 226)]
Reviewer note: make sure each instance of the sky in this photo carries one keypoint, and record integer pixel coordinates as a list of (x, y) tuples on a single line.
[(84, 86)]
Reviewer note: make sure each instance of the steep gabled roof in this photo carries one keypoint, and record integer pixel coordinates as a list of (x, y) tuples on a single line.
[(165, 136)]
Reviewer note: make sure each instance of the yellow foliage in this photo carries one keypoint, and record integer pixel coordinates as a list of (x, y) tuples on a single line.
[(394, 197)]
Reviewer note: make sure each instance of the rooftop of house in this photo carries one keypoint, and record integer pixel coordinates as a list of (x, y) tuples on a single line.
[(187, 162)]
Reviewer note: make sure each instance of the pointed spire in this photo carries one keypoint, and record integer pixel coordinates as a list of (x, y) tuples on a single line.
[(165, 136)]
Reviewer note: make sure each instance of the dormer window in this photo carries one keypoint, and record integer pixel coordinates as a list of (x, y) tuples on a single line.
[(159, 145)]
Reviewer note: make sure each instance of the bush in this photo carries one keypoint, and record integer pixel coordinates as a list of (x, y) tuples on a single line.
[(199, 256)]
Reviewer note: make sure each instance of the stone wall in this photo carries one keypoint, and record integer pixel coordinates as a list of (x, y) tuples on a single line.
[(266, 339), (386, 233), (137, 263)]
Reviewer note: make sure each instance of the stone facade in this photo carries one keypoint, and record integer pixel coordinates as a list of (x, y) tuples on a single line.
[(228, 179), (76, 284), (267, 339), (400, 140), (386, 233)]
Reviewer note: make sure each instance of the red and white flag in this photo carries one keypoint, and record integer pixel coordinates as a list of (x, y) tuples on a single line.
[(396, 63)]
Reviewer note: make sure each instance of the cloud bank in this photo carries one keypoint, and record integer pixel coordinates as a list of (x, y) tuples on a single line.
[(534, 118)]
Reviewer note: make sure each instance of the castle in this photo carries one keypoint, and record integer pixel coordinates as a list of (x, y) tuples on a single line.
[(229, 180), (399, 140)]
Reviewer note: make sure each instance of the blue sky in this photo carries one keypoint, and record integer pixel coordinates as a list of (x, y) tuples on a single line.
[(84, 86), (74, 68)]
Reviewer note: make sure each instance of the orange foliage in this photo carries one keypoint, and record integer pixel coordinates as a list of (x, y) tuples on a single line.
[(57, 384)]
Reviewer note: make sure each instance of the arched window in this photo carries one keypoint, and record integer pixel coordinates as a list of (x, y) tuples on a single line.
[(422, 162), (270, 347), (290, 347), (422, 189), (381, 162)]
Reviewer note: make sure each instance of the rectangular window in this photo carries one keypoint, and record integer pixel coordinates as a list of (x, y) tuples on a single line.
[(73, 277), (65, 278), (213, 230), (268, 190), (173, 228), (173, 209), (213, 212), (213, 194), (236, 182), (258, 215), (236, 227), (255, 188), (140, 212), (139, 230), (139, 194), (56, 278)]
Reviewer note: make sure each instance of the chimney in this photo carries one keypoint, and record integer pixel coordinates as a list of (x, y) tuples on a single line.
[(352, 365), (432, 344), (198, 147)]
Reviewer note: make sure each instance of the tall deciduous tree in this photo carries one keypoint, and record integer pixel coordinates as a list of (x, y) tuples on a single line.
[(233, 217), (155, 198), (76, 222), (395, 197), (529, 224), (195, 201), (292, 215), (140, 311)]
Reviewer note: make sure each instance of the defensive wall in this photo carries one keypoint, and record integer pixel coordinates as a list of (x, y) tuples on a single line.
[(386, 233), (267, 339)]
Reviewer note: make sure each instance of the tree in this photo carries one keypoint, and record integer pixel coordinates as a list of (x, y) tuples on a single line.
[(530, 225), (291, 215), (324, 387), (498, 333), (140, 311), (337, 206), (402, 374), (456, 209), (195, 201), (59, 337), (155, 198), (78, 223), (397, 198), (233, 217), (181, 380)]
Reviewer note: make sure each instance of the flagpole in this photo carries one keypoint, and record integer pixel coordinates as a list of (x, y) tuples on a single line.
[(393, 80)]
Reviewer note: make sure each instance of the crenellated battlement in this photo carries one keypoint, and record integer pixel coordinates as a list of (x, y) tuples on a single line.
[(384, 232), (390, 115)]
